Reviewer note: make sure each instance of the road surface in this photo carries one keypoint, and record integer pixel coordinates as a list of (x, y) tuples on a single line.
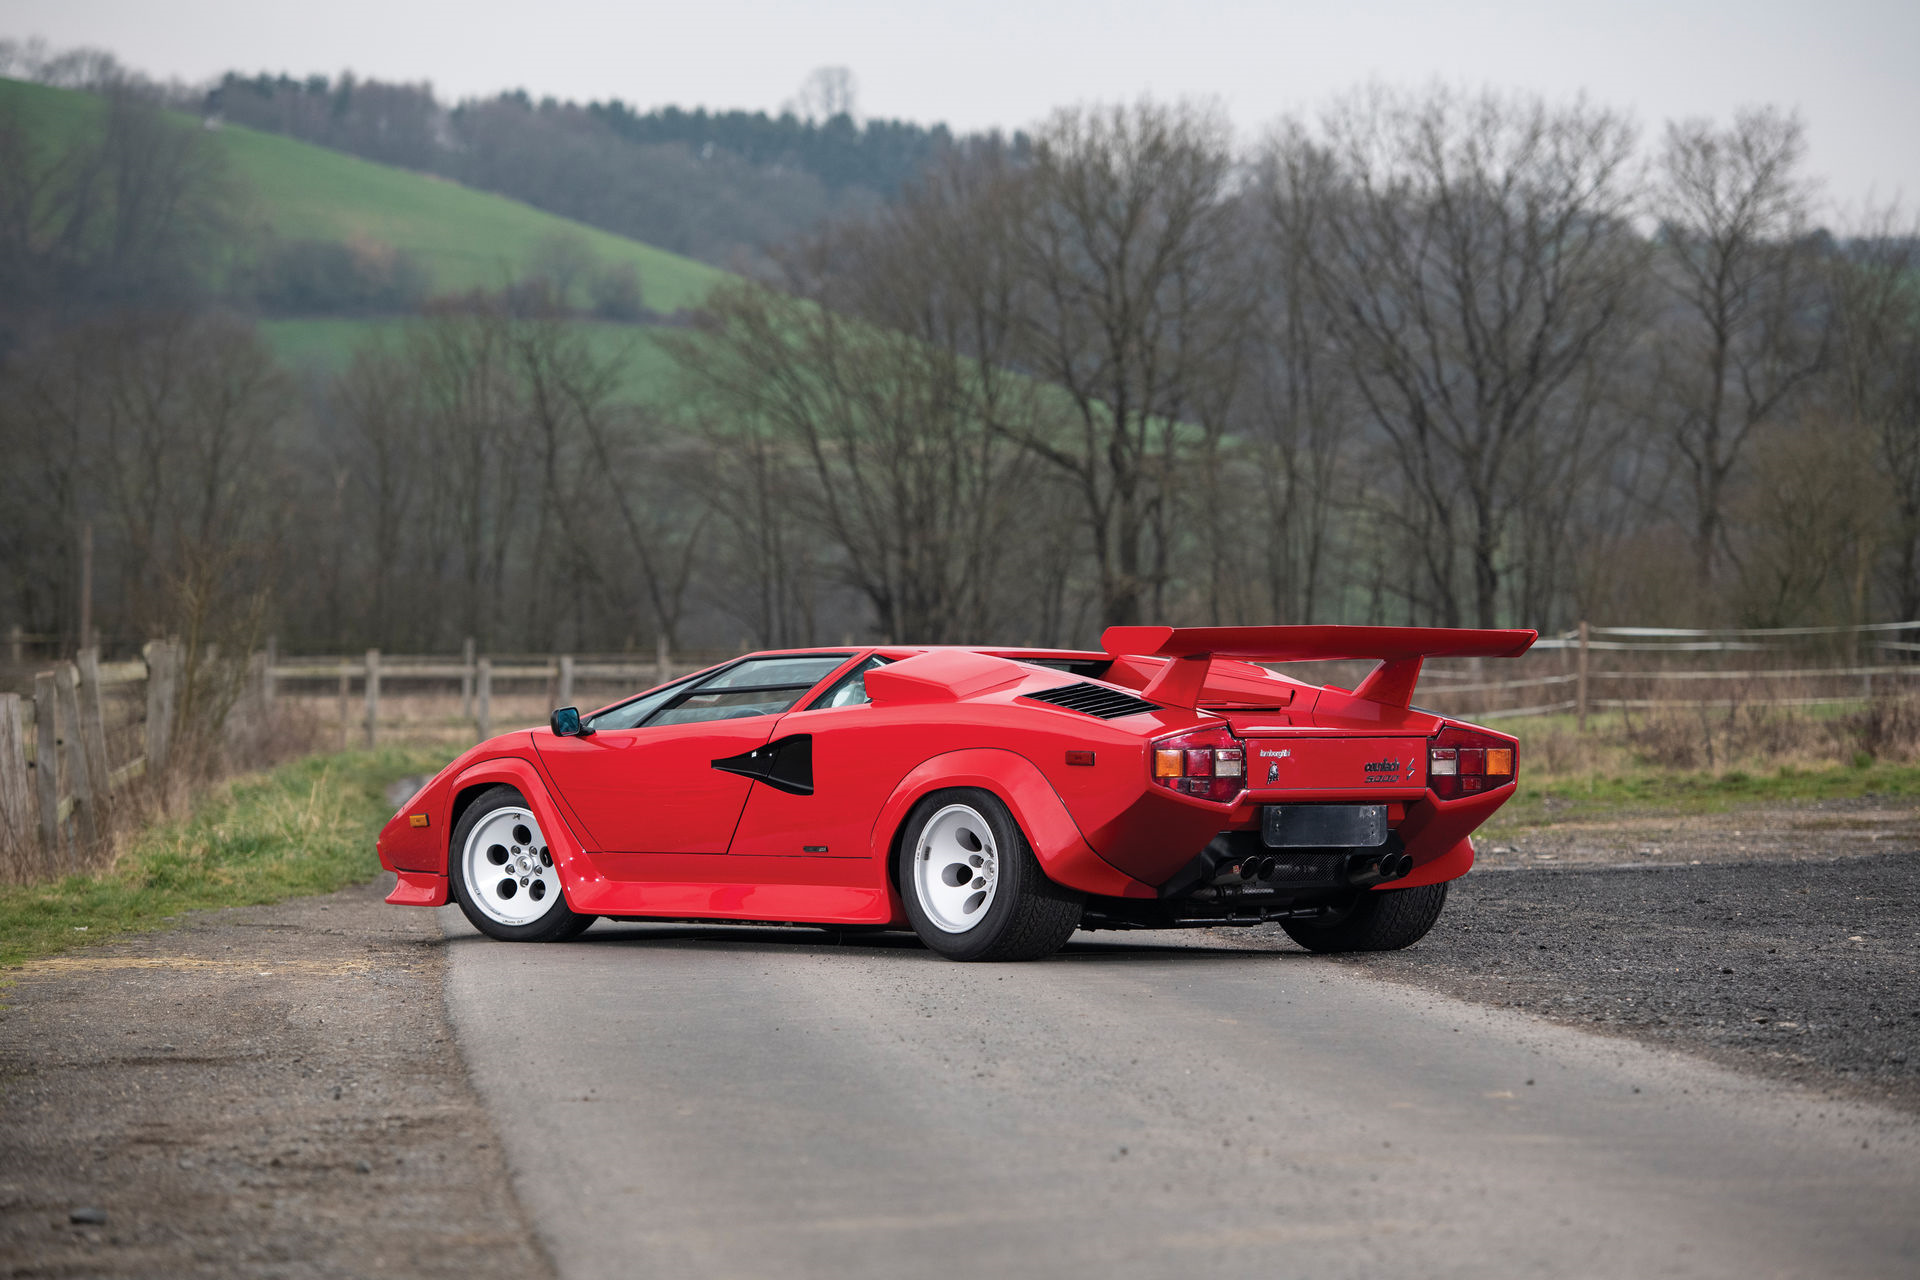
[(712, 1101)]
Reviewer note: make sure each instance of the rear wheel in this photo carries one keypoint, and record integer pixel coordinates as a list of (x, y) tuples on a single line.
[(503, 874), (972, 887), (1382, 920)]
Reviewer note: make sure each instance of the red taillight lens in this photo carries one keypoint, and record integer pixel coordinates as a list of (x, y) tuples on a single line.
[(1208, 763), (1462, 761)]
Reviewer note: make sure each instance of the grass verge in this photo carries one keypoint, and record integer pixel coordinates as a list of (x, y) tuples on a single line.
[(307, 827), (1544, 800)]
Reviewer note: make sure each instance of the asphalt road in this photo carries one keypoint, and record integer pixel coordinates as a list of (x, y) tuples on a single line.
[(689, 1101)]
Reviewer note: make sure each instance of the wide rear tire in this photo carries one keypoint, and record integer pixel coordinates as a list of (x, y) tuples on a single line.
[(972, 887), (1382, 920)]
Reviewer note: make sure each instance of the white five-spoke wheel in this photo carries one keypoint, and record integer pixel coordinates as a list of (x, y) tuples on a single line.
[(956, 868), (971, 885), (509, 868), (503, 873)]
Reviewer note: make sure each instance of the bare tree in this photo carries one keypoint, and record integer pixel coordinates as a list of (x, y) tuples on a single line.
[(1743, 272), (1876, 375), (1133, 312), (1474, 257), (827, 92)]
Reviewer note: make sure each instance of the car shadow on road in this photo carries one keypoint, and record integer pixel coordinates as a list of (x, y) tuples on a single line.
[(1158, 946)]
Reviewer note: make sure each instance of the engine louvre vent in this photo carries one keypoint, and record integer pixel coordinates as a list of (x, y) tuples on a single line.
[(1094, 700)]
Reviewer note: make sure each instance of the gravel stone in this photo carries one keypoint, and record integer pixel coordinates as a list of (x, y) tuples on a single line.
[(1803, 970)]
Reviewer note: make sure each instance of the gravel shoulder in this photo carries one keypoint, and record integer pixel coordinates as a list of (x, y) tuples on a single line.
[(1805, 970), (1788, 832), (268, 1091)]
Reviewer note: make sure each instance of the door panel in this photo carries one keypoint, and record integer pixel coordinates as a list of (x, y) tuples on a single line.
[(859, 754), (655, 790)]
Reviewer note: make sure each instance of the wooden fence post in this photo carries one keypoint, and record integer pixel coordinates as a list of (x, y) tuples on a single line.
[(661, 659), (267, 689), (163, 673), (86, 825), (253, 694), (483, 719), (466, 679), (46, 769), (1580, 681), (373, 696), (92, 726), (16, 792), (346, 713), (565, 698)]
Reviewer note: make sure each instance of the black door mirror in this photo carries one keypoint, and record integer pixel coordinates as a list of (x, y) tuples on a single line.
[(566, 724)]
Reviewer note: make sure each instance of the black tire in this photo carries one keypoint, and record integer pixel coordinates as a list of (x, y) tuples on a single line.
[(1029, 915), (1381, 920), (557, 923)]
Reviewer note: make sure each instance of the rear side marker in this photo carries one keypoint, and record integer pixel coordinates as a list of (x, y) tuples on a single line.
[(1079, 757)]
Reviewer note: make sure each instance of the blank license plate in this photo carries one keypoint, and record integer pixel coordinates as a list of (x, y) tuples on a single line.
[(1323, 826)]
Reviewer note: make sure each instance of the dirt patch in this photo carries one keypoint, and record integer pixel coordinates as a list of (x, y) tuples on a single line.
[(1812, 830), (270, 1091), (1805, 971)]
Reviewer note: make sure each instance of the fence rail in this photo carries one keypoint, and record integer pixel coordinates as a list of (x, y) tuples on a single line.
[(59, 778)]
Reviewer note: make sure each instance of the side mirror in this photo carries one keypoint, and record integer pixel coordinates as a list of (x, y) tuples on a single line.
[(566, 724)]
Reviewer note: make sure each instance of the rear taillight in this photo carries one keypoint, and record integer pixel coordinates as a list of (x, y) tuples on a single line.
[(1461, 761), (1208, 763)]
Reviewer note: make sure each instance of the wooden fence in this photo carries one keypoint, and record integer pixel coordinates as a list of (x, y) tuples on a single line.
[(91, 730), (72, 750), (361, 687), (1636, 668)]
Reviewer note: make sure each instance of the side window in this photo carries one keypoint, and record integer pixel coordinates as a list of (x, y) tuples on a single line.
[(759, 687), (850, 690), (629, 714)]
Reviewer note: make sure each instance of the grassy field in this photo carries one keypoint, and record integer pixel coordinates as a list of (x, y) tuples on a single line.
[(1567, 775), (307, 827), (465, 238), (326, 346)]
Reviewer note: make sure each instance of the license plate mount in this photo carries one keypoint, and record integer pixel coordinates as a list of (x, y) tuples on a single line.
[(1323, 826)]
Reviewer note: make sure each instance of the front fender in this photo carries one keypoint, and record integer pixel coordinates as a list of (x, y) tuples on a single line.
[(579, 882), (1063, 852)]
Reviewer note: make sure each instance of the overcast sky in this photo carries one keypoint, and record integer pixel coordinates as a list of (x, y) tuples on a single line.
[(1852, 67)]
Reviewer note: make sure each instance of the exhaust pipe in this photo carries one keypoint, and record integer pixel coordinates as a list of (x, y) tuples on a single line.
[(1366, 869)]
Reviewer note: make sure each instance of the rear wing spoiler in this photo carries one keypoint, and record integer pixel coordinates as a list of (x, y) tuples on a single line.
[(1399, 650)]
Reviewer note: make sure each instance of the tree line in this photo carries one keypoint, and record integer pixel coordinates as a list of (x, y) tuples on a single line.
[(1437, 357)]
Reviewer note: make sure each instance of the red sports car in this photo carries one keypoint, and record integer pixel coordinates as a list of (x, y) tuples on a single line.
[(994, 800)]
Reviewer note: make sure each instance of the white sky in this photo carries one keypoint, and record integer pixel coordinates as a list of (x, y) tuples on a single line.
[(1852, 67)]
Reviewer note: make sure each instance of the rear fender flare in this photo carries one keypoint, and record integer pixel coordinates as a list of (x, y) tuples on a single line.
[(1063, 852), (575, 869)]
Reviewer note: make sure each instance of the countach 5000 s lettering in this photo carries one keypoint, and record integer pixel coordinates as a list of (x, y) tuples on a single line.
[(992, 800)]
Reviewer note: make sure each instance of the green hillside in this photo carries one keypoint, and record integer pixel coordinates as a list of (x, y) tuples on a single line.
[(326, 344), (464, 238)]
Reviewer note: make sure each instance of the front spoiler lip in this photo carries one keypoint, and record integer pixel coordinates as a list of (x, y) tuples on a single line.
[(419, 889)]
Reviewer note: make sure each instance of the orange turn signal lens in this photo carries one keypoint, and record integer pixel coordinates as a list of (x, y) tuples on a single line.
[(418, 820), (1499, 761), (1169, 764)]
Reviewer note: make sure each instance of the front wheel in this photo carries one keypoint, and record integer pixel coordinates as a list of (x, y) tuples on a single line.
[(1381, 920), (503, 874), (972, 887)]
